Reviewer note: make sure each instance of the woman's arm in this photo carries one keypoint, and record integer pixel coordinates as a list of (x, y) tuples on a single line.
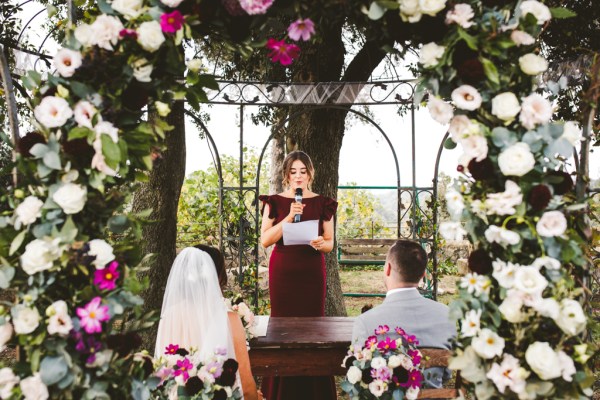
[(324, 243), (241, 354), (269, 233)]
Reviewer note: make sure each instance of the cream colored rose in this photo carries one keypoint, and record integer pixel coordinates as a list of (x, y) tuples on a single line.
[(142, 70), (71, 197), (354, 375), (103, 252), (537, 9), (522, 38), (410, 11), (39, 255), (33, 388), (488, 344), (529, 280), (432, 7), (543, 360), (25, 319), (551, 223), (506, 106), (532, 64), (129, 8), (29, 210), (571, 318), (511, 309), (430, 54), (516, 160), (150, 36)]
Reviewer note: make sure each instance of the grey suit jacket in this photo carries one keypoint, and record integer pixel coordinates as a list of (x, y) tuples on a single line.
[(428, 320)]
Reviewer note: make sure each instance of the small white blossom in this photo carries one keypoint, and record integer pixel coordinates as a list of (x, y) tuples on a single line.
[(430, 54), (551, 223), (546, 262), (59, 321), (572, 132), (532, 64), (466, 97), (150, 36), (377, 387), (40, 254), (522, 38), (142, 70), (535, 110), (506, 106), (504, 273), (410, 11), (504, 203), (171, 3), (530, 281), (71, 197), (440, 110), (511, 309), (471, 324), (540, 11), (129, 8), (504, 237), (105, 32), (25, 319), (508, 374), (6, 332), (571, 318), (29, 210), (567, 366), (354, 374), (33, 388), (488, 344), (432, 7), (454, 202), (546, 307), (452, 231), (84, 112), (53, 112), (66, 62), (103, 252), (8, 380), (462, 14), (475, 284), (543, 360)]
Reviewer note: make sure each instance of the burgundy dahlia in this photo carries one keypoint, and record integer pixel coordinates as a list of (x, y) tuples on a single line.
[(233, 7), (480, 262), (561, 181), (28, 141), (227, 377), (193, 386), (539, 197), (481, 170), (366, 376)]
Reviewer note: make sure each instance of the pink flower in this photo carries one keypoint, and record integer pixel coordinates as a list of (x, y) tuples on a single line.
[(171, 22), (183, 368), (128, 33), (105, 278), (382, 330), (282, 51), (415, 355), (383, 374), (415, 377), (254, 7), (412, 339), (92, 315), (387, 345), (400, 331), (370, 342), (302, 28), (171, 349)]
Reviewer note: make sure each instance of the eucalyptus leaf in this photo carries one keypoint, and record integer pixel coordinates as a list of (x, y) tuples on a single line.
[(534, 140), (7, 273), (449, 144), (82, 90), (52, 160), (43, 170), (17, 242), (38, 150), (561, 146), (139, 391), (53, 369), (118, 224), (503, 137), (562, 13), (68, 233)]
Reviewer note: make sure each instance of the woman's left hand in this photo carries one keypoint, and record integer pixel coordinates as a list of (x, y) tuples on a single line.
[(318, 243)]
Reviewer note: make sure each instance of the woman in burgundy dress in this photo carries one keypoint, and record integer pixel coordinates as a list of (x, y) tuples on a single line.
[(297, 272)]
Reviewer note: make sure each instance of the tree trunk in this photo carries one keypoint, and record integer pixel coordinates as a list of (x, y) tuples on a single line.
[(161, 193), (277, 153)]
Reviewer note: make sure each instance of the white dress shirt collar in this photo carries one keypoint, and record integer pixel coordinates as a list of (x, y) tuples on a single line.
[(402, 289)]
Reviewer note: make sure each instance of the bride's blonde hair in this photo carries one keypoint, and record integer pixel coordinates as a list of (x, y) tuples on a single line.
[(289, 160)]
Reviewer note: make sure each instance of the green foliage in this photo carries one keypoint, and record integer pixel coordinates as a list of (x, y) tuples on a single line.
[(357, 216)]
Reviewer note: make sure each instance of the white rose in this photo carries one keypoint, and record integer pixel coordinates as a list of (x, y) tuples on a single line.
[(377, 387), (150, 36), (504, 203), (546, 262), (6, 332), (529, 280), (572, 132), (129, 8), (25, 319), (410, 11), (551, 223), (8, 380), (571, 318), (440, 110), (162, 109), (432, 7), (84, 113), (39, 255), (459, 127), (33, 388), (488, 344), (506, 106), (59, 321), (29, 210), (378, 362), (452, 231), (107, 128), (537, 9), (84, 34), (66, 62), (547, 307), (105, 31), (103, 252), (532, 64), (394, 361), (71, 197), (142, 70), (430, 54), (511, 309), (466, 97), (516, 160), (543, 360), (474, 147), (354, 375), (522, 38), (535, 110), (496, 234), (454, 202), (462, 14), (412, 393), (171, 3), (567, 366), (195, 64), (53, 112)]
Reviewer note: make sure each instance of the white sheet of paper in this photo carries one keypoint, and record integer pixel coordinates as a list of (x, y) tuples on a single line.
[(262, 323), (300, 232)]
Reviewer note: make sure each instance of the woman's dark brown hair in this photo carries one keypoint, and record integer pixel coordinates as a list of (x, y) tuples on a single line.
[(219, 261), (289, 160)]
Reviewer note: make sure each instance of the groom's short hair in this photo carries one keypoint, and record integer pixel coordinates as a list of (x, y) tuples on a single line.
[(408, 259)]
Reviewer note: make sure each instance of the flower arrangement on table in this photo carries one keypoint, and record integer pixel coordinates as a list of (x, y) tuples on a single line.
[(384, 368), (185, 375), (237, 304)]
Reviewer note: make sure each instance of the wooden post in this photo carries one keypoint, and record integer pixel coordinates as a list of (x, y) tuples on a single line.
[(11, 103)]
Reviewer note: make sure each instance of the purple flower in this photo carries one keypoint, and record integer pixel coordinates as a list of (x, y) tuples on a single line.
[(254, 7), (171, 22), (105, 279), (301, 29), (92, 315), (221, 351), (383, 374), (128, 33), (183, 368), (171, 349), (387, 344), (282, 52), (214, 368), (382, 330)]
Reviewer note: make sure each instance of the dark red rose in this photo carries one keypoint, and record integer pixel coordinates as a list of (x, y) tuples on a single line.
[(349, 361), (148, 367), (561, 182), (539, 197), (193, 386), (400, 374), (182, 352), (79, 150), (220, 394), (28, 141), (233, 7), (481, 170), (366, 376), (480, 262), (135, 97), (471, 71), (124, 344), (227, 377)]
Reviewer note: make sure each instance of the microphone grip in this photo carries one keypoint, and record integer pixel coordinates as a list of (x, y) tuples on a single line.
[(297, 218)]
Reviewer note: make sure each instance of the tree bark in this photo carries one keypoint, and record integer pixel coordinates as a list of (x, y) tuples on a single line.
[(161, 193), (277, 153)]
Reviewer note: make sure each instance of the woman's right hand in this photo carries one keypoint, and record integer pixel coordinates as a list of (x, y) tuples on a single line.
[(295, 208)]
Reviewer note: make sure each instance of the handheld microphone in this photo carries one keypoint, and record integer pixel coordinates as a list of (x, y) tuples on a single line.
[(298, 198)]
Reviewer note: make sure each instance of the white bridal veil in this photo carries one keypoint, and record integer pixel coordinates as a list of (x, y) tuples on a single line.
[(193, 311)]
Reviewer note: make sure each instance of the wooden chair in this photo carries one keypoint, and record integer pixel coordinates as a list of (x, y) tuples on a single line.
[(363, 251), (438, 358)]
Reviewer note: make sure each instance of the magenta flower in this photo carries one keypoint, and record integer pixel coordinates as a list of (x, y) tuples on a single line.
[(105, 278), (92, 315), (382, 330), (415, 355), (128, 33), (254, 7), (183, 368), (400, 331), (171, 349), (171, 22), (370, 342), (411, 339), (415, 377), (282, 52), (301, 29), (386, 345)]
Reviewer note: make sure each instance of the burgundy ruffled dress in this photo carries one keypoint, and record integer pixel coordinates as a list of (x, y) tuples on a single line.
[(297, 289)]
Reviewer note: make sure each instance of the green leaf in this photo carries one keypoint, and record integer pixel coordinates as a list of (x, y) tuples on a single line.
[(52, 160), (471, 41), (118, 224), (490, 70), (562, 13), (53, 369), (38, 150), (80, 132), (376, 11), (449, 144), (390, 5), (17, 242), (208, 81), (7, 273), (68, 232), (110, 149), (81, 89)]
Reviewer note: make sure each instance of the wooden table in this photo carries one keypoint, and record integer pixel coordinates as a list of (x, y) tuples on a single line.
[(310, 346)]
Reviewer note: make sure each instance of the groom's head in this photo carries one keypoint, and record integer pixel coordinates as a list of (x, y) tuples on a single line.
[(404, 265)]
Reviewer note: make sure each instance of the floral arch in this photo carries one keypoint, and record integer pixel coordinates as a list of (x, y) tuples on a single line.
[(77, 310)]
